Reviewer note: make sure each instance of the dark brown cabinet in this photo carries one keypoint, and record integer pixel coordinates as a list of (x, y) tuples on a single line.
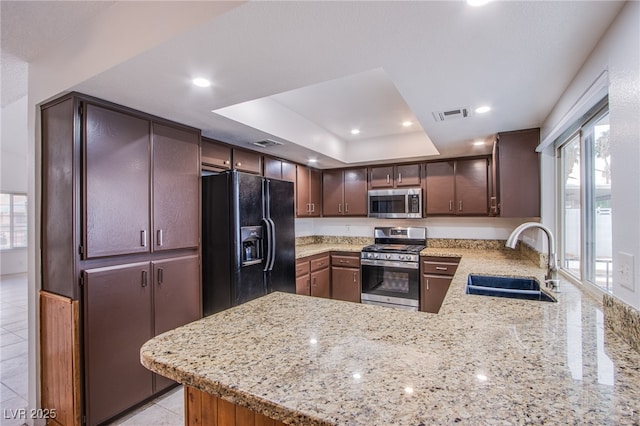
[(345, 277), (279, 169), (247, 161), (395, 176), (457, 187), (515, 190), (215, 156), (436, 274), (118, 170), (320, 276), (120, 239), (303, 279), (344, 192), (308, 192)]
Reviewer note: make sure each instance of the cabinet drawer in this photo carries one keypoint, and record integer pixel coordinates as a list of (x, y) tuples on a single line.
[(302, 267), (440, 265), (319, 263), (345, 260)]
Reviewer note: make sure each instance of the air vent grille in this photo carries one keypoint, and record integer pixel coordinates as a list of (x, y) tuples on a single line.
[(452, 114), (267, 143)]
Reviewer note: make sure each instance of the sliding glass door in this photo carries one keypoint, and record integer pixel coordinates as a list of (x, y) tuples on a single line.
[(585, 202)]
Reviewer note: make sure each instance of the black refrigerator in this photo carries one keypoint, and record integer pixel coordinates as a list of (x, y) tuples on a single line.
[(248, 239)]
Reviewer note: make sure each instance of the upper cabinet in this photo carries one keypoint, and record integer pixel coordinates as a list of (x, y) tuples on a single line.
[(215, 155), (457, 187), (247, 161), (308, 192), (516, 174), (394, 176), (344, 192), (279, 169), (136, 170)]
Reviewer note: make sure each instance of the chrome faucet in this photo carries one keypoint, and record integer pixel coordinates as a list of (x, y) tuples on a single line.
[(551, 277)]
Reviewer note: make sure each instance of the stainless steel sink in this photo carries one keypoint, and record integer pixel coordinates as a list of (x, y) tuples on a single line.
[(514, 287)]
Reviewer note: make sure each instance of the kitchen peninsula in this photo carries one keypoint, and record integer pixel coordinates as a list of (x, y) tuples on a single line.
[(481, 360)]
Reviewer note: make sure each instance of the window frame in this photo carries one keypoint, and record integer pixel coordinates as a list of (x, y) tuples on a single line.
[(12, 243)]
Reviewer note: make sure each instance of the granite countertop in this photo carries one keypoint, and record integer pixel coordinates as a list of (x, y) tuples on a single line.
[(313, 249), (481, 360)]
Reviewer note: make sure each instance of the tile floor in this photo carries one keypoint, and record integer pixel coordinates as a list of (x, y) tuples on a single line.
[(165, 410)]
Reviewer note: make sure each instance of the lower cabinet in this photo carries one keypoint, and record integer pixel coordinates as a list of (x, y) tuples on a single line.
[(345, 277), (320, 276), (123, 307), (436, 274)]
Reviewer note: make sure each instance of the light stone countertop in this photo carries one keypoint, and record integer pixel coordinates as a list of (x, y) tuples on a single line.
[(313, 249), (481, 360)]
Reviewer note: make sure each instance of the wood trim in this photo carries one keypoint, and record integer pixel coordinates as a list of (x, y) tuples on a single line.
[(60, 357), (203, 409)]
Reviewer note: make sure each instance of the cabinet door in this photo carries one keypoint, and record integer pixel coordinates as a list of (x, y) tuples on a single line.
[(176, 188), (320, 283), (433, 290), (272, 168), (408, 175), (303, 285), (117, 322), (519, 173), (176, 298), (303, 207), (332, 193), (116, 184), (440, 188), (247, 161), (288, 171), (345, 284), (472, 189), (355, 192), (315, 192), (382, 177), (215, 154)]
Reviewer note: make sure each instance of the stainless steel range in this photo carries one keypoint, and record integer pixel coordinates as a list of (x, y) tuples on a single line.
[(391, 267)]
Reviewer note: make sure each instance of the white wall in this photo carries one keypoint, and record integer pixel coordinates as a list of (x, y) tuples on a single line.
[(480, 228), (13, 172), (619, 53)]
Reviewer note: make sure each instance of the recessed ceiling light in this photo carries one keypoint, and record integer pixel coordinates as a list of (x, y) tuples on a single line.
[(313, 160), (478, 143), (407, 123), (483, 109), (477, 2), (355, 131), (201, 82)]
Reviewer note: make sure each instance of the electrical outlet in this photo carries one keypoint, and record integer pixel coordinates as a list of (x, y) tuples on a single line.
[(626, 276)]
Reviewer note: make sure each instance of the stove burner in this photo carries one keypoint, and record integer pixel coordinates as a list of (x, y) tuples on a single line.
[(394, 248)]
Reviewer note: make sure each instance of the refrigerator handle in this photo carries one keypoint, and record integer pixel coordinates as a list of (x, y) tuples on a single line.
[(266, 198), (267, 259), (272, 243)]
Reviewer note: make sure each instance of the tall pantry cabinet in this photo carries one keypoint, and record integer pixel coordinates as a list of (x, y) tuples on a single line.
[(120, 251)]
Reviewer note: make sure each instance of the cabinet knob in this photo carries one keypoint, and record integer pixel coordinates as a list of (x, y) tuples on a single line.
[(238, 164), (226, 162)]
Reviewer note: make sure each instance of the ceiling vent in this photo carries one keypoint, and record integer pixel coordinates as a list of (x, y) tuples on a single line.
[(452, 114), (267, 143)]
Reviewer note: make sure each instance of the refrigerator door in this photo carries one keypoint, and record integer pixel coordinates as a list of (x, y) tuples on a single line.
[(281, 277), (248, 282)]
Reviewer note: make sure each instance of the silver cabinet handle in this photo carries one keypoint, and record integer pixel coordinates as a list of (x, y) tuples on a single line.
[(354, 277), (427, 284), (388, 179), (450, 205), (144, 279), (399, 177), (160, 275), (346, 207), (494, 205), (143, 238), (313, 207), (159, 237), (460, 205), (441, 268), (339, 207)]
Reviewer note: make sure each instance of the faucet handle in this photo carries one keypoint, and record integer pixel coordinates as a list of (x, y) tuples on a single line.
[(552, 283)]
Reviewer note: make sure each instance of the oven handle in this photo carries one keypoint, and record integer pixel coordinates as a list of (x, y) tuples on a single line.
[(402, 265)]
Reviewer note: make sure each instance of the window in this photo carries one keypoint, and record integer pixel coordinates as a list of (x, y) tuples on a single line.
[(585, 201), (13, 221)]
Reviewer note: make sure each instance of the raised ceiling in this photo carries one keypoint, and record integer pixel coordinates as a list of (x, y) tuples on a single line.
[(418, 57)]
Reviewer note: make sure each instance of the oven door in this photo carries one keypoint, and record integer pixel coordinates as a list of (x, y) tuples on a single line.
[(390, 283)]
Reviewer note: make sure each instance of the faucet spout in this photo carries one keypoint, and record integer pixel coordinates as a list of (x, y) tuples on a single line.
[(512, 241)]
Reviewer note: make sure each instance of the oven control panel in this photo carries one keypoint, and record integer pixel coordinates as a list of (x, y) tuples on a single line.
[(392, 257)]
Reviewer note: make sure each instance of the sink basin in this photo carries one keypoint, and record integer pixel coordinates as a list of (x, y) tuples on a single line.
[(514, 287)]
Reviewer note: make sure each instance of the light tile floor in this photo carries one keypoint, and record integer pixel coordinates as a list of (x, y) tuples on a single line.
[(165, 410)]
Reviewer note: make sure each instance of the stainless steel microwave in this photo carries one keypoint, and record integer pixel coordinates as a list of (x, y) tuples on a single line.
[(395, 203)]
